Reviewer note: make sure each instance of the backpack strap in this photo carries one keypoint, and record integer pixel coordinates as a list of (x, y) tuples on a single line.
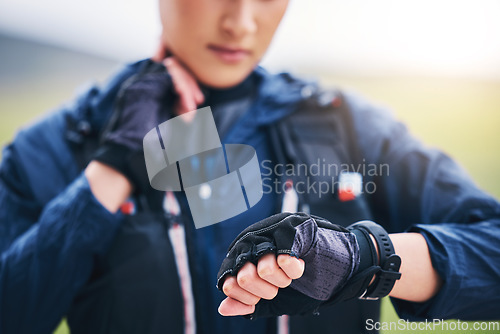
[(322, 127), (318, 140)]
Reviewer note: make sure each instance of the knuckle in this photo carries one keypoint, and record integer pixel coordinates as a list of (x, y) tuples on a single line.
[(168, 61), (177, 88), (250, 300), (244, 280), (265, 271), (227, 288), (293, 275), (254, 300), (180, 88), (283, 261), (286, 282), (271, 294)]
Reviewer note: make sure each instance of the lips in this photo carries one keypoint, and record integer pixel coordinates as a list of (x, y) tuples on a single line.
[(228, 54)]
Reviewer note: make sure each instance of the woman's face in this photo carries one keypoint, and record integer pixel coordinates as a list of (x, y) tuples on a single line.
[(220, 41)]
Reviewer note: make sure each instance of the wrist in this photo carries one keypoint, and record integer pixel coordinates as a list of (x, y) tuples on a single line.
[(127, 162), (109, 187), (420, 281), (376, 252)]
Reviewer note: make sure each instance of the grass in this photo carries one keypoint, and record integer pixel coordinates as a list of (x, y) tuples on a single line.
[(460, 116)]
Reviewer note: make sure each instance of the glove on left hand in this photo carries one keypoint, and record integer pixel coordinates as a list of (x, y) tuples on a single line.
[(141, 106), (330, 252)]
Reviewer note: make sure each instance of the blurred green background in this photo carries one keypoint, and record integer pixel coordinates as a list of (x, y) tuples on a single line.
[(459, 115)]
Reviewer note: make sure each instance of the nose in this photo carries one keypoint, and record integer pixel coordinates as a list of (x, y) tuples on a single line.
[(239, 18)]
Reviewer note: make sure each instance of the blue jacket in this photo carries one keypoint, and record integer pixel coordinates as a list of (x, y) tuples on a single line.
[(52, 227)]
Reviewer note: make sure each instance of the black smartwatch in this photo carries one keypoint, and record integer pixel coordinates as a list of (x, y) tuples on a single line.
[(387, 260)]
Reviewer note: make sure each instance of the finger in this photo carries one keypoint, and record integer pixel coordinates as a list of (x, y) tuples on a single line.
[(175, 72), (293, 267), (187, 80), (231, 307), (195, 89), (233, 290), (185, 86), (178, 71), (268, 270), (248, 279), (200, 98), (187, 102)]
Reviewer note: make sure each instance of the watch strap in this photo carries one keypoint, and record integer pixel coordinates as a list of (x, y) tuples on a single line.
[(388, 261)]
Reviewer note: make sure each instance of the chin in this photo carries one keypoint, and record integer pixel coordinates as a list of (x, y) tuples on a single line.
[(223, 77)]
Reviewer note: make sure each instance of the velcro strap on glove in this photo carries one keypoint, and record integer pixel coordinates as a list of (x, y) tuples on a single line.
[(383, 268)]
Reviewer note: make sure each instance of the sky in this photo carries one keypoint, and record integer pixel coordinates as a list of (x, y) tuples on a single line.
[(361, 37)]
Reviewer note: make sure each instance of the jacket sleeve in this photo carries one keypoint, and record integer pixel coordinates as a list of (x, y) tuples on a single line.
[(46, 254), (51, 225), (423, 190)]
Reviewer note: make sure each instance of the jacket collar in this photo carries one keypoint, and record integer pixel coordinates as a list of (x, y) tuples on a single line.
[(278, 95)]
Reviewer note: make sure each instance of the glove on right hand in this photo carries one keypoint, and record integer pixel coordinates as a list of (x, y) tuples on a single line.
[(330, 253)]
